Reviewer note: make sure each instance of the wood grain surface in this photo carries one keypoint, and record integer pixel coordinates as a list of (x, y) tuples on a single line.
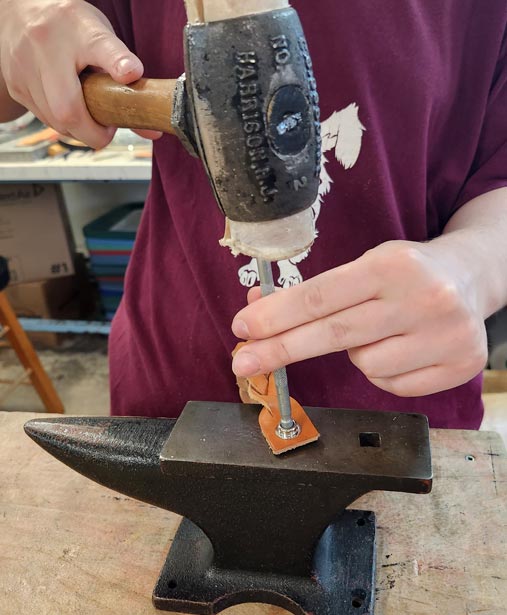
[(216, 10), (146, 104), (199, 11), (495, 414), (495, 381), (69, 546)]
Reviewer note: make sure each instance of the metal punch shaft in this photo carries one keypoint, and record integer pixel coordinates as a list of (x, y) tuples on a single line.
[(288, 427)]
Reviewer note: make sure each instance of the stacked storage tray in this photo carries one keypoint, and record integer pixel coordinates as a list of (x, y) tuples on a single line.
[(110, 240)]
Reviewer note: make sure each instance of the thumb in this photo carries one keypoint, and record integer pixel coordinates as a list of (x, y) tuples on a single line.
[(254, 294), (110, 54)]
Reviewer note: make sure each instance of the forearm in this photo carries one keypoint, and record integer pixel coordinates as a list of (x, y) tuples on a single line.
[(9, 108), (474, 246)]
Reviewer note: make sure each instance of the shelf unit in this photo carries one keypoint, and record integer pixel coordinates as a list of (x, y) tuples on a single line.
[(92, 182), (78, 168)]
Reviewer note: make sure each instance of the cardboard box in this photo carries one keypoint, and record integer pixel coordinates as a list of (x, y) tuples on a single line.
[(68, 298), (43, 299), (57, 299), (34, 232)]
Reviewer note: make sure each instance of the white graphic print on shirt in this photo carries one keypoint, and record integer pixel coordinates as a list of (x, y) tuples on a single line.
[(343, 133)]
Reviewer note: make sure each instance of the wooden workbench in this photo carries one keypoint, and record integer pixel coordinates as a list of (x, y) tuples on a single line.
[(71, 547)]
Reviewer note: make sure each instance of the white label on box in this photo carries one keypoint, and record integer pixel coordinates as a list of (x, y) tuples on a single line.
[(34, 234)]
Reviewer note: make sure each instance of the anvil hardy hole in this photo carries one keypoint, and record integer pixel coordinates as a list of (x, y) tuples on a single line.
[(361, 522), (172, 584), (370, 439), (358, 598)]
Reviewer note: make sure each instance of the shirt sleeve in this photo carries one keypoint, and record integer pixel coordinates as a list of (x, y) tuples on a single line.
[(119, 14), (489, 170)]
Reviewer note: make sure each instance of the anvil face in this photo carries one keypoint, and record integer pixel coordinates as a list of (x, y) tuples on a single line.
[(274, 525), (379, 445)]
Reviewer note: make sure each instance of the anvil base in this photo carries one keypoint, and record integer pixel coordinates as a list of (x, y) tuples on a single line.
[(341, 582)]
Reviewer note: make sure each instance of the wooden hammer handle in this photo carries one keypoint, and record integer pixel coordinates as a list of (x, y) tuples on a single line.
[(146, 104)]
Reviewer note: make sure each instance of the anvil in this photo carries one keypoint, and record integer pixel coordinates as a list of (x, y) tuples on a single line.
[(256, 528)]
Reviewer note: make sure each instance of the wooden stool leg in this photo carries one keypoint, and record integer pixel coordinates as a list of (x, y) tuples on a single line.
[(18, 339)]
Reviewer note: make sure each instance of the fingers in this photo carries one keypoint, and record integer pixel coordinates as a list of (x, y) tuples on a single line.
[(67, 111), (30, 105), (426, 381), (105, 50), (358, 326), (153, 135), (254, 294), (398, 355), (35, 101), (332, 291), (393, 359), (413, 365), (43, 50), (404, 321), (464, 347)]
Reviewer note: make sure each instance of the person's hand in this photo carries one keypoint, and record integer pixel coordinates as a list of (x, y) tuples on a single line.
[(45, 45), (403, 311)]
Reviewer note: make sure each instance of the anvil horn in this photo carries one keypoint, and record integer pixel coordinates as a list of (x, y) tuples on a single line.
[(120, 453)]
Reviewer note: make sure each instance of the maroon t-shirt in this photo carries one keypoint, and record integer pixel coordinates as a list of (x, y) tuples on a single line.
[(414, 121)]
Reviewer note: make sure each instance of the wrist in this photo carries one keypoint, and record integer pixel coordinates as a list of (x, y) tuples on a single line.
[(467, 264)]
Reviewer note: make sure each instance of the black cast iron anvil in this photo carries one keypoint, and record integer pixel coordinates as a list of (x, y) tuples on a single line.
[(257, 528)]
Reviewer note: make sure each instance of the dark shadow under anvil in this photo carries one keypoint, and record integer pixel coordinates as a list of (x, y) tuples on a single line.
[(257, 528)]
